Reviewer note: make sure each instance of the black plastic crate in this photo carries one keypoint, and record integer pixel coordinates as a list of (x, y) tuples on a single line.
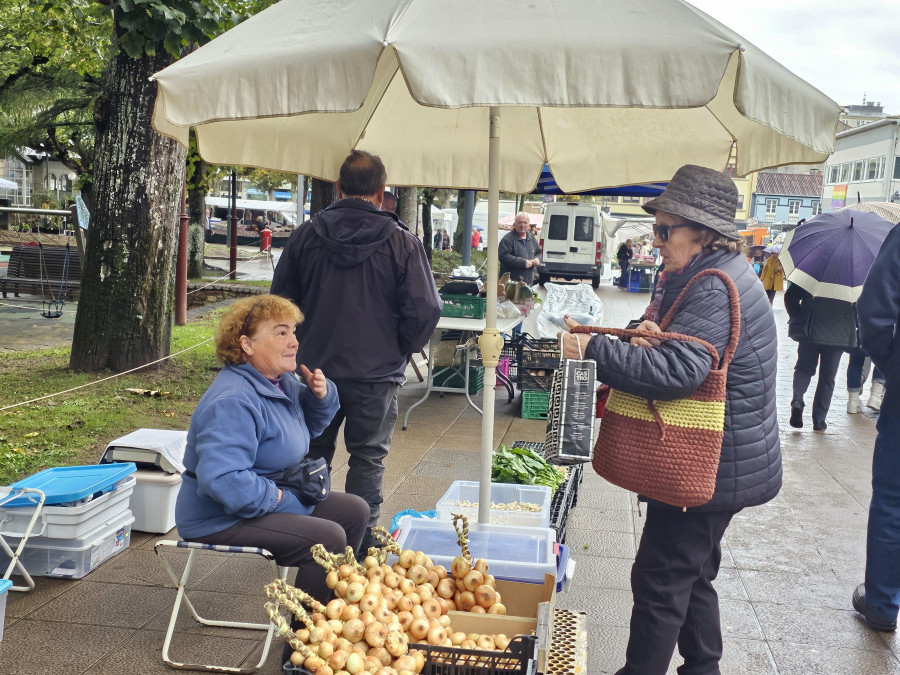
[(538, 353), (520, 657), (529, 380), (511, 351)]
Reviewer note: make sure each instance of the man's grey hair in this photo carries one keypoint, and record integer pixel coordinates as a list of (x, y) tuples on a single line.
[(362, 174)]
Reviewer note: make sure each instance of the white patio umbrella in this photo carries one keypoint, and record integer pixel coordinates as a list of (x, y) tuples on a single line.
[(8, 184), (606, 92)]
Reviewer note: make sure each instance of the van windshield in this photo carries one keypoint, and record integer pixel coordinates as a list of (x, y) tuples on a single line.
[(584, 228), (559, 227)]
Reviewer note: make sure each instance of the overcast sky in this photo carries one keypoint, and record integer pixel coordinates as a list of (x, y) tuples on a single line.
[(845, 49)]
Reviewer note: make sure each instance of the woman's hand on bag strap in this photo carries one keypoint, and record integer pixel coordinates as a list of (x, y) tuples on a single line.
[(573, 348), (647, 342)]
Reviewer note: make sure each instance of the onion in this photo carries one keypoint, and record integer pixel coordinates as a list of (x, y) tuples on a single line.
[(355, 663), (444, 620), (331, 579), (367, 617), (350, 612), (317, 617), (478, 609), (497, 608), (490, 581), (446, 588), (302, 634), (436, 635), (468, 644), (444, 605), (441, 571), (433, 578), (369, 601), (336, 626), (485, 642), (370, 561), (466, 601), (324, 669), (425, 591), (338, 659), (340, 589), (406, 558), (316, 635), (374, 588), (418, 612), (407, 586), (358, 578), (419, 558), (472, 580), (334, 608), (313, 662), (383, 614), (405, 604), (382, 655), (432, 608), (481, 565), (460, 567), (375, 634), (390, 602), (342, 645), (355, 591), (486, 596), (406, 662), (399, 570), (419, 628), (392, 579), (457, 638), (419, 657), (297, 658), (405, 618), (345, 570), (417, 574), (326, 649), (354, 629), (501, 641), (375, 574), (396, 644)]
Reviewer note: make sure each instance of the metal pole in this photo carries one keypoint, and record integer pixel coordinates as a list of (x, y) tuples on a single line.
[(467, 227), (490, 342), (232, 252), (181, 261)]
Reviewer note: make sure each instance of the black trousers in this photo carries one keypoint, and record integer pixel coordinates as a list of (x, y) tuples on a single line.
[(827, 359), (674, 599), (370, 412), (337, 521)]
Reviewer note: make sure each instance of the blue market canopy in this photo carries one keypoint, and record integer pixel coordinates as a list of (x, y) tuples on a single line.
[(546, 185)]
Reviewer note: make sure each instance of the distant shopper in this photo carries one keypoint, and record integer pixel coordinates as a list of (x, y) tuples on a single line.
[(824, 329), (519, 251), (476, 239), (772, 277), (857, 373), (445, 239), (624, 256), (878, 308)]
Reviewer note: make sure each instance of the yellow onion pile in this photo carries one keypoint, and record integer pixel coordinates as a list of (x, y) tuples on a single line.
[(379, 611)]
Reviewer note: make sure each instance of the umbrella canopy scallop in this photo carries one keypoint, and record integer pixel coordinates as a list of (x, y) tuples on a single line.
[(831, 254)]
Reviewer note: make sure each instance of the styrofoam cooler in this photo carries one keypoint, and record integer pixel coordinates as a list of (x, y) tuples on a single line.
[(75, 557), (153, 501), (69, 522), (4, 592)]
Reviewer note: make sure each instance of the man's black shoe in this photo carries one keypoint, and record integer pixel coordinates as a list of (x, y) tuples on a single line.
[(819, 425), (797, 415), (859, 604), (368, 541)]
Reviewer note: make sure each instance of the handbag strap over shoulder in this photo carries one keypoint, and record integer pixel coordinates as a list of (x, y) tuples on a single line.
[(667, 320)]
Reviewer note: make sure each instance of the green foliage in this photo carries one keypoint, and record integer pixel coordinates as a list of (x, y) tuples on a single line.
[(265, 180), (444, 262), (525, 467), (75, 428)]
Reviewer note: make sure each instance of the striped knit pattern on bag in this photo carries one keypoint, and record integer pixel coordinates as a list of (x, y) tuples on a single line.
[(668, 450)]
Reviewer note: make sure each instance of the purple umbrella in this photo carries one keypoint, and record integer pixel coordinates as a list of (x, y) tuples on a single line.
[(830, 255)]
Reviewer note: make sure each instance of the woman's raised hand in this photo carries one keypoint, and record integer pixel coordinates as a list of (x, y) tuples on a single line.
[(315, 380), (647, 343)]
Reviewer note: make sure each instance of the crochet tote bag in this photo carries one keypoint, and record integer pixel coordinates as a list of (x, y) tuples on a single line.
[(668, 450)]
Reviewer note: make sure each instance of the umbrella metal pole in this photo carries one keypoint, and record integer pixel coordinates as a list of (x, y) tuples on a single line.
[(490, 342)]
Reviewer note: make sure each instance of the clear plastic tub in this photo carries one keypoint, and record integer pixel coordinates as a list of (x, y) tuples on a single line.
[(514, 553), (72, 558), (69, 522), (502, 494)]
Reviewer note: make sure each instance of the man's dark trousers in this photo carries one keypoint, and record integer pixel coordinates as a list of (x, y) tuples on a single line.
[(883, 542), (827, 359), (370, 412), (674, 599)]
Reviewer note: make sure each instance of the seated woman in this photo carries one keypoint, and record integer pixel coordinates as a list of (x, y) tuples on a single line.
[(254, 421)]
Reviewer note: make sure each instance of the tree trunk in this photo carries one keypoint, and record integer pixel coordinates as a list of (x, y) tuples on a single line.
[(407, 205), (302, 187), (196, 196), (427, 235), (324, 194), (124, 313)]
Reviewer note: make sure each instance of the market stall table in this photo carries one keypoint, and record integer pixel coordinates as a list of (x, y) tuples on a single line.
[(468, 328)]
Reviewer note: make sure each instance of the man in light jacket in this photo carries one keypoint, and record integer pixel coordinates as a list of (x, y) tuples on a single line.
[(364, 285), (878, 311)]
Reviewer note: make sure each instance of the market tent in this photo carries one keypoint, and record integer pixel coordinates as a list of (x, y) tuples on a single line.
[(664, 85)]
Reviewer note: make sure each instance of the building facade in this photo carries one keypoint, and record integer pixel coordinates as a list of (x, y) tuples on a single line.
[(786, 197), (865, 165)]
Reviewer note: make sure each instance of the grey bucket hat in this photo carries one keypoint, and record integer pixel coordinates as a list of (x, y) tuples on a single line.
[(705, 196)]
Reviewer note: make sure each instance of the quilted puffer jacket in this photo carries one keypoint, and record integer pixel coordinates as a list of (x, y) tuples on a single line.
[(750, 470), (821, 321)]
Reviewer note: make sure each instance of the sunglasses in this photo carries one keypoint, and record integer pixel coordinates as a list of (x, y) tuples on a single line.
[(662, 231)]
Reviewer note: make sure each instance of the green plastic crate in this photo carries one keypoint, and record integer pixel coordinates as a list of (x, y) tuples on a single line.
[(463, 306), (456, 378), (535, 405)]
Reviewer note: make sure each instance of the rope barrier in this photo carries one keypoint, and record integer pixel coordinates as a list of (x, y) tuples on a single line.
[(111, 377)]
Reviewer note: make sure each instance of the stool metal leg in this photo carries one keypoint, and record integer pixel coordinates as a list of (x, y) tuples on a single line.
[(182, 598)]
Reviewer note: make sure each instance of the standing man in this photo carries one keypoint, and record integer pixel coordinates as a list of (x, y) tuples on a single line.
[(518, 251), (364, 285), (878, 309)]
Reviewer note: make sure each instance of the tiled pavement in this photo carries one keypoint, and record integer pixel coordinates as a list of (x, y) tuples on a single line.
[(787, 573)]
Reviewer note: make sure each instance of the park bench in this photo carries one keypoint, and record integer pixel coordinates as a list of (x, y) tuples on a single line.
[(31, 271)]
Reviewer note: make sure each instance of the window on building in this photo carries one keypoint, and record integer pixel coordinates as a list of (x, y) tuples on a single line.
[(740, 201), (631, 200), (879, 168), (845, 172), (871, 168), (858, 170), (793, 210), (896, 168), (816, 207), (771, 207), (730, 170)]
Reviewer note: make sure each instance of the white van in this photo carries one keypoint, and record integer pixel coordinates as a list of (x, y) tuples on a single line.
[(571, 242)]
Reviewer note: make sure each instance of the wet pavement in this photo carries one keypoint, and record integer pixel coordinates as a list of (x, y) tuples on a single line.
[(788, 568)]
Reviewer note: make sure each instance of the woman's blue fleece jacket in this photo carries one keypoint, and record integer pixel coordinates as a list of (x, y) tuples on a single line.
[(243, 428)]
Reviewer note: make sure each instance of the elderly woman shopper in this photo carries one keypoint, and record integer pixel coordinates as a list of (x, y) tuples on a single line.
[(253, 423), (772, 277), (680, 549)]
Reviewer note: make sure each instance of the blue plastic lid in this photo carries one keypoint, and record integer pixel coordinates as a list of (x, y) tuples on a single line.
[(72, 483), (5, 585)]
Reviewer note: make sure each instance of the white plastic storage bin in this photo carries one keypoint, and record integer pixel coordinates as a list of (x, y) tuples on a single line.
[(514, 553), (502, 494), (153, 501), (69, 522), (73, 558), (4, 592)]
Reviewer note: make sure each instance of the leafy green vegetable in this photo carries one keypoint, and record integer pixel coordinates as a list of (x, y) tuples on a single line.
[(524, 467)]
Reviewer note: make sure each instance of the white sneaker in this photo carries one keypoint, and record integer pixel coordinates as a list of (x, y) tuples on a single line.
[(876, 393), (852, 402)]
